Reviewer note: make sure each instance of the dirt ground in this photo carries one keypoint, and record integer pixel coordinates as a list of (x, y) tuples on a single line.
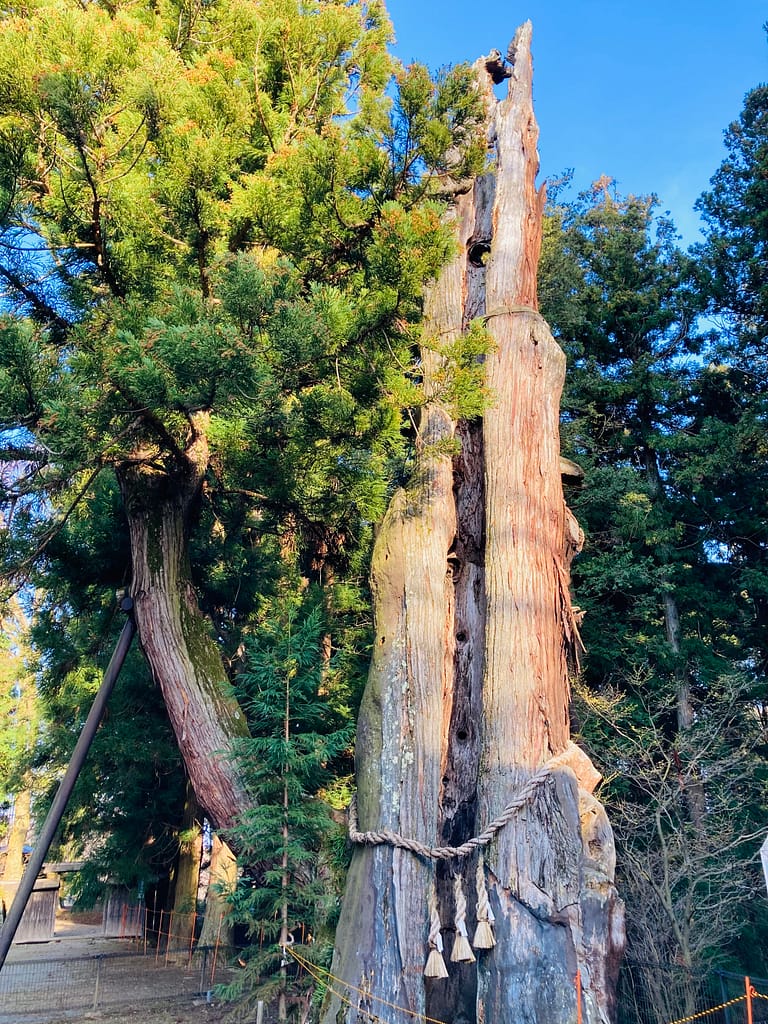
[(153, 1015), (74, 939), (71, 938)]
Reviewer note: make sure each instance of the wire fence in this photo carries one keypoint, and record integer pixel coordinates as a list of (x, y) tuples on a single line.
[(659, 994), (33, 988), (165, 960)]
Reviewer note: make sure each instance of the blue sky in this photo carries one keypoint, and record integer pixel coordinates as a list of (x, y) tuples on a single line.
[(641, 91)]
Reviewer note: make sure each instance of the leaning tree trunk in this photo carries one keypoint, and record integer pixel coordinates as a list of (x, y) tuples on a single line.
[(185, 661), (466, 710)]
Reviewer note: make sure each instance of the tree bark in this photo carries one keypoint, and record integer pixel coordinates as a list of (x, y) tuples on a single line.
[(160, 502), (17, 838), (187, 875), (468, 690), (551, 870), (222, 878)]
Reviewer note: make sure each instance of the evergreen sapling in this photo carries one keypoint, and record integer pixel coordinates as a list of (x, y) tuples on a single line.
[(285, 896)]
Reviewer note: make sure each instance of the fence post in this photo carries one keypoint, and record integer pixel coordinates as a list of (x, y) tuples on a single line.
[(192, 936), (724, 997), (159, 936), (748, 988), (216, 950), (97, 983), (170, 937), (203, 965)]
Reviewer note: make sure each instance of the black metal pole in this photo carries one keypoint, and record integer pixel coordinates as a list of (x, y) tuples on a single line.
[(67, 784)]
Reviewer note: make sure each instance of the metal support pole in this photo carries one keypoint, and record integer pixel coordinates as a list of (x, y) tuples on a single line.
[(67, 784)]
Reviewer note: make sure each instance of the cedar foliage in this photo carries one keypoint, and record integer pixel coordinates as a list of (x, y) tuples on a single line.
[(671, 696), (300, 735)]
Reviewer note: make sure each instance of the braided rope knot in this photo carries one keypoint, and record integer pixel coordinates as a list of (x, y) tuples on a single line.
[(523, 796)]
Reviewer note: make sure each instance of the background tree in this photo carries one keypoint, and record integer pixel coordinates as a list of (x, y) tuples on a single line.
[(663, 623), (629, 328), (733, 483), (155, 168), (690, 883)]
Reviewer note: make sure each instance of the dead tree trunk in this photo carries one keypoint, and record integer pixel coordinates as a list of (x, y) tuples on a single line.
[(467, 699)]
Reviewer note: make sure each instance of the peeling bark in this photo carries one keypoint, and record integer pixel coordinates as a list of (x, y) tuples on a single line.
[(468, 690)]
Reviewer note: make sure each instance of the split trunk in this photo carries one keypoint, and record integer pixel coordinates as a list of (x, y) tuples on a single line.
[(468, 692)]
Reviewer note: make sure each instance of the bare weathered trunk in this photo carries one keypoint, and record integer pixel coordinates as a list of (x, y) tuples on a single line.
[(175, 637), (468, 691), (406, 708), (550, 870), (217, 928)]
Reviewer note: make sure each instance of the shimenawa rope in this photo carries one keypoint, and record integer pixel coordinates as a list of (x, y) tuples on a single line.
[(484, 937), (382, 837)]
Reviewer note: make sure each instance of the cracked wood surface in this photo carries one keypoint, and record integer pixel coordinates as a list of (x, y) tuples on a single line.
[(468, 691)]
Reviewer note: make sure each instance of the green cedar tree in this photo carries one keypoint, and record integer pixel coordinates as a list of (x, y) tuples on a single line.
[(287, 896), (667, 699), (216, 224)]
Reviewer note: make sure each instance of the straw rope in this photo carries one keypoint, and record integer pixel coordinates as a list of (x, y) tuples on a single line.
[(385, 837)]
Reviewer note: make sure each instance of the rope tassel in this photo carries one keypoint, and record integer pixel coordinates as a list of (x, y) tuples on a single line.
[(484, 937), (462, 951), (435, 967)]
